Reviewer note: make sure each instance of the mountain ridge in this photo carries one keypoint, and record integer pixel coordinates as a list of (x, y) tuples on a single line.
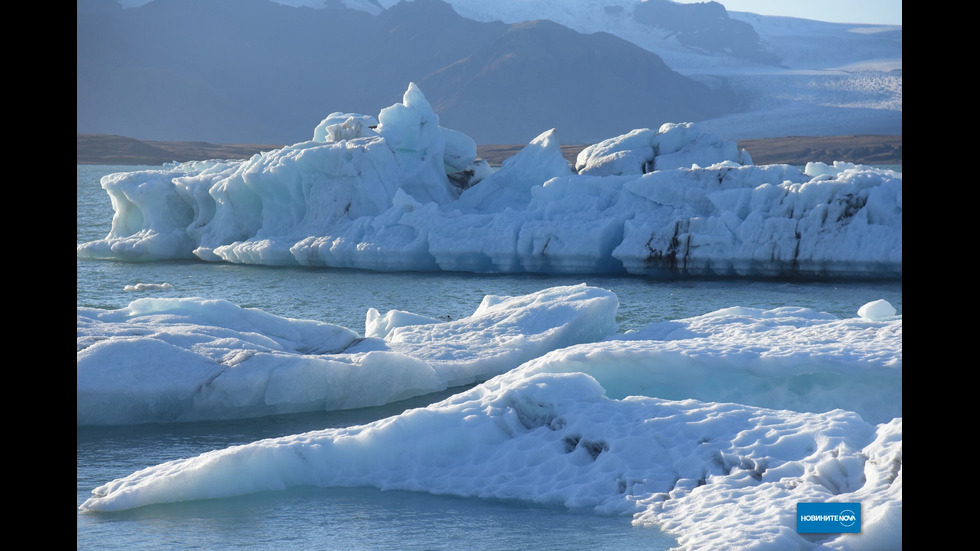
[(252, 71)]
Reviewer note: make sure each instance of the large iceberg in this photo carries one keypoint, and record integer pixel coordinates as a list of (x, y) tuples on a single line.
[(400, 192), (676, 451)]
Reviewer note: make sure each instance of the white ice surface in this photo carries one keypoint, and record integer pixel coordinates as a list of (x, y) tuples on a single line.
[(785, 358), (587, 427), (172, 360)]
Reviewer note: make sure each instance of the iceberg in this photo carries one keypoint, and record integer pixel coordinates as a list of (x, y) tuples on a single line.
[(564, 428), (191, 359), (399, 192), (784, 358)]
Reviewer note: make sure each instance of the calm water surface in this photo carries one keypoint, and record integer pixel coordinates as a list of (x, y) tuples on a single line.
[(363, 518)]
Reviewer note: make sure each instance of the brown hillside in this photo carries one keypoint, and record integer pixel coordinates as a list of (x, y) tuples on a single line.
[(796, 150)]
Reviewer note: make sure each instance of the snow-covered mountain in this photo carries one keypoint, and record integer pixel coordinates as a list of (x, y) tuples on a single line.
[(691, 38), (266, 71), (803, 77)]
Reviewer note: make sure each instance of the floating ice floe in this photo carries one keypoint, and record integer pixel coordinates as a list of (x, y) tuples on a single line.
[(712, 428), (785, 358), (172, 360), (712, 474), (400, 192)]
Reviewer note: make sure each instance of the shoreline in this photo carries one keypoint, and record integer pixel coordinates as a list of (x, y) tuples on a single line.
[(108, 149)]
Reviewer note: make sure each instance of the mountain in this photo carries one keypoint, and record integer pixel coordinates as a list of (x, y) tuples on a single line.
[(690, 37), (587, 86), (798, 77), (707, 27), (258, 71)]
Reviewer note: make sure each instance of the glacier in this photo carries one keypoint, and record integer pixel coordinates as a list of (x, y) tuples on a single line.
[(398, 192)]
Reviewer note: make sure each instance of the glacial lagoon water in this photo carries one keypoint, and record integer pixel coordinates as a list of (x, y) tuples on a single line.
[(363, 518)]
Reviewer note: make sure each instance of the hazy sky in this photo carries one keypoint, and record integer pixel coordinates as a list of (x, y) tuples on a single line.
[(886, 12)]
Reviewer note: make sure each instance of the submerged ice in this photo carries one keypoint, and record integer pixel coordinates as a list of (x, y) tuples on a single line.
[(400, 192)]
